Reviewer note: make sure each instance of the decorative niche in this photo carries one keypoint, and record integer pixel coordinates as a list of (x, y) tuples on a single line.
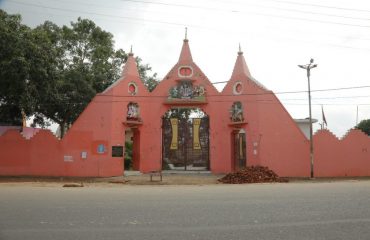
[(237, 114), (185, 71), (133, 117), (238, 88), (132, 88)]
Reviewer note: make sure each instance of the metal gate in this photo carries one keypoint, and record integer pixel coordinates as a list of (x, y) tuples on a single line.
[(185, 144)]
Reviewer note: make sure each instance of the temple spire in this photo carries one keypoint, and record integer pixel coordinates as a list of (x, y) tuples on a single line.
[(130, 67), (185, 55), (240, 67)]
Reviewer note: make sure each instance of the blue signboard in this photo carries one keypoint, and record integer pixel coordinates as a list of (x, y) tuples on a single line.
[(101, 148)]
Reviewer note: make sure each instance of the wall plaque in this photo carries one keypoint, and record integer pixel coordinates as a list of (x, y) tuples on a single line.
[(68, 158), (101, 148), (117, 151), (84, 155)]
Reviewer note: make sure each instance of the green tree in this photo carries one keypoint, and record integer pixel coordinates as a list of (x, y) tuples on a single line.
[(364, 126), (128, 155), (53, 72), (85, 63), (150, 81), (15, 48)]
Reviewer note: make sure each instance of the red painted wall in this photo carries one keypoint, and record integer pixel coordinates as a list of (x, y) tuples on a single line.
[(349, 156), (273, 138), (44, 155)]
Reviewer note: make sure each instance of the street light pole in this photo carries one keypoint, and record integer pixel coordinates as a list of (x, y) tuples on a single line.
[(308, 68)]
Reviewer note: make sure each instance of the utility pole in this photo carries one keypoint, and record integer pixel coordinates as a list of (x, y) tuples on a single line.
[(308, 68)]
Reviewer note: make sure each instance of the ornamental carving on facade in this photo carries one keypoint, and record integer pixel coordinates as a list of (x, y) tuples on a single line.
[(236, 112), (133, 112), (186, 90)]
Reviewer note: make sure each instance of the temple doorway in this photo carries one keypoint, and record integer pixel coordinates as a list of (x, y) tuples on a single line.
[(132, 150), (239, 147), (185, 143)]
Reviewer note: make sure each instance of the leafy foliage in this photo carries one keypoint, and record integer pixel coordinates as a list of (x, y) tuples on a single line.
[(185, 113), (16, 68), (84, 62), (149, 81), (128, 155), (53, 72), (364, 126)]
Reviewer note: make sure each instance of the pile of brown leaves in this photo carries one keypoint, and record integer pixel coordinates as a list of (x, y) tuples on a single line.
[(252, 174)]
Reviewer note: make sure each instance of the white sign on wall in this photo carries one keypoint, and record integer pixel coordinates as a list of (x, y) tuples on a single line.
[(83, 155), (68, 158)]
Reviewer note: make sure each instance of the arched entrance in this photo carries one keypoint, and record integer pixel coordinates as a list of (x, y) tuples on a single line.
[(132, 137), (239, 149), (185, 144), (238, 137), (132, 149)]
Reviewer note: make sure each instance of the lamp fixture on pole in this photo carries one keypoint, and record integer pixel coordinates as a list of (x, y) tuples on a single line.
[(308, 68)]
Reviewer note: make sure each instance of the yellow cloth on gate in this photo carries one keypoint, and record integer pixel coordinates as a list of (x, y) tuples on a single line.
[(196, 140), (174, 141)]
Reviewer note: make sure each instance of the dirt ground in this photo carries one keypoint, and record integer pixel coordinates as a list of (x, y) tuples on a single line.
[(137, 179), (140, 179)]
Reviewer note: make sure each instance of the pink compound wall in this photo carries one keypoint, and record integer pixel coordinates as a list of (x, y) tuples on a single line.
[(272, 137)]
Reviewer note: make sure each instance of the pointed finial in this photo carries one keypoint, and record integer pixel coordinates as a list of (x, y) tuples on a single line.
[(240, 50), (186, 34), (131, 54)]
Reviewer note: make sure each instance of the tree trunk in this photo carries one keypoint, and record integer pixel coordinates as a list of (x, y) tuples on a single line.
[(63, 124), (62, 129)]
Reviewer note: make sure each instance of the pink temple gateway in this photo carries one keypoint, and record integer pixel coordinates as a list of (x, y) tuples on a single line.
[(184, 124)]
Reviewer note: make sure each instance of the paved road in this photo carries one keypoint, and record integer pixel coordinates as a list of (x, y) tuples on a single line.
[(337, 210)]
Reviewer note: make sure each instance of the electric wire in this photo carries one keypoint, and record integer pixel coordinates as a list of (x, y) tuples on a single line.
[(140, 20), (246, 3), (265, 92), (320, 6), (173, 23), (232, 98), (214, 101), (248, 102), (256, 5)]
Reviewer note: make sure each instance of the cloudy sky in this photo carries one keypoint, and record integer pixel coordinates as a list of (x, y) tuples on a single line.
[(275, 36)]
